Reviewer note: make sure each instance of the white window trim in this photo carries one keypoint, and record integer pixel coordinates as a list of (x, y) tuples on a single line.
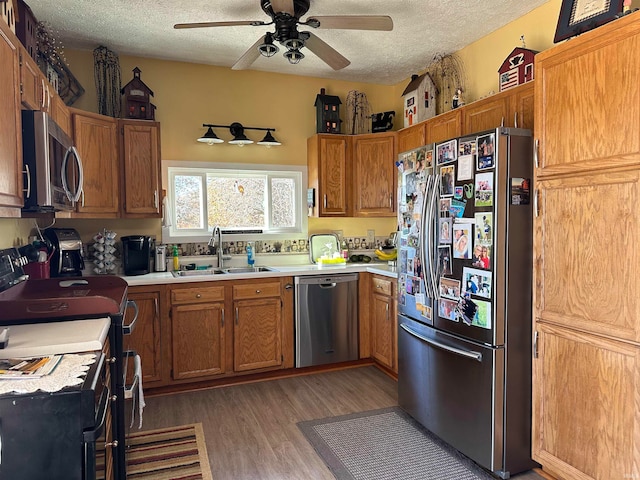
[(167, 237)]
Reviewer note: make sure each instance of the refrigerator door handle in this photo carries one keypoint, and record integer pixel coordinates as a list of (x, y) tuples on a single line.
[(426, 234), (433, 271), (457, 351)]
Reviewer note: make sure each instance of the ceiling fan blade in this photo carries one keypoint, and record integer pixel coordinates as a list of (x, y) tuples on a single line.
[(285, 6), (179, 26), (326, 52), (356, 22), (249, 56)]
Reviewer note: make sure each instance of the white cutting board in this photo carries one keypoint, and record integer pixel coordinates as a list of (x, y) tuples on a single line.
[(56, 337)]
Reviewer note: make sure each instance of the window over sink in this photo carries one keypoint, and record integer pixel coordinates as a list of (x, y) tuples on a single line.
[(264, 201)]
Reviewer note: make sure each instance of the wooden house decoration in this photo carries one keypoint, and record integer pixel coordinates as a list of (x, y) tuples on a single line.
[(138, 99), (327, 113), (517, 68), (9, 13), (419, 99)]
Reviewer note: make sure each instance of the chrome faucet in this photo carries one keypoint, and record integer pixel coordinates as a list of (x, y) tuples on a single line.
[(215, 242)]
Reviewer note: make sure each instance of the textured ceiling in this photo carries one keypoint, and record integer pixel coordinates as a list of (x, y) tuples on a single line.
[(422, 29)]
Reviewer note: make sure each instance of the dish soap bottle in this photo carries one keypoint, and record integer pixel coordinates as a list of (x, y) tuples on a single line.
[(344, 250), (176, 260), (250, 259)]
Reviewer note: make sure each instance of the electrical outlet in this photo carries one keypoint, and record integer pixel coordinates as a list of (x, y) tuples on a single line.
[(371, 238)]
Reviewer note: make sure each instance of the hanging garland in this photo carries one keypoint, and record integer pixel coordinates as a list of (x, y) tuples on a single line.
[(108, 81)]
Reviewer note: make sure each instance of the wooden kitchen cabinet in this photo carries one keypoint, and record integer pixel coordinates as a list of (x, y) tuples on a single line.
[(146, 338), (445, 126), (97, 143), (522, 106), (329, 174), (35, 92), (140, 172), (586, 421), (61, 114), (412, 137), (488, 113), (11, 199), (374, 175), (198, 331), (384, 322), (257, 326)]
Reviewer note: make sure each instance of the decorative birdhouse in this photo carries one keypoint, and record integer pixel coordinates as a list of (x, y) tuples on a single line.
[(138, 99), (9, 12), (419, 99), (327, 113), (517, 68)]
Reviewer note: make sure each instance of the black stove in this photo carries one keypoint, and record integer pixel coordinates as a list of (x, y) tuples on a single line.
[(27, 301)]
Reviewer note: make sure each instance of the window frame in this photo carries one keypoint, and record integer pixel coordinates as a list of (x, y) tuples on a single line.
[(297, 172)]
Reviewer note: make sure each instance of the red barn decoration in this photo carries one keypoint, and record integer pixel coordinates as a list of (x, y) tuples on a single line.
[(517, 68), (138, 99)]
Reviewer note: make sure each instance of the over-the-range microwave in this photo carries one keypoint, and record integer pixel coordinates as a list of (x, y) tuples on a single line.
[(52, 165)]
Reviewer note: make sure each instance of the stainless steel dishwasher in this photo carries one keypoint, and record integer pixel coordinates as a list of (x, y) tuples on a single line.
[(326, 319)]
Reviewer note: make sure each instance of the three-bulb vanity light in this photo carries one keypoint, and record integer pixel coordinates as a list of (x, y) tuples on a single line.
[(239, 138)]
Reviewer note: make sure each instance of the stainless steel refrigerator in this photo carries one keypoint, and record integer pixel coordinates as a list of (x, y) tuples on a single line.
[(464, 294)]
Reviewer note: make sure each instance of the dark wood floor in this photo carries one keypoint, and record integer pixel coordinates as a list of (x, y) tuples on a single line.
[(251, 430)]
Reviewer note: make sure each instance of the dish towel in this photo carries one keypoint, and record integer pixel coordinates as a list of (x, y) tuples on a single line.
[(137, 371), (166, 213)]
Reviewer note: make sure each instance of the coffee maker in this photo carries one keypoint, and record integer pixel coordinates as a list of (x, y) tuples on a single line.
[(136, 254), (67, 259)]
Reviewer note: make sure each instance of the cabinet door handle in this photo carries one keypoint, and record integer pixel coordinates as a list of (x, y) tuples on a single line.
[(391, 200), (222, 317), (43, 102), (535, 344), (387, 310), (515, 119), (48, 98), (325, 200), (536, 148), (536, 212), (82, 202), (155, 199), (288, 286), (155, 305), (236, 315), (27, 172)]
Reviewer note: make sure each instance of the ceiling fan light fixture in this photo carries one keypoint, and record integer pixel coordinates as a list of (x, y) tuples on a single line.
[(268, 49), (210, 137), (269, 140), (294, 56), (294, 43)]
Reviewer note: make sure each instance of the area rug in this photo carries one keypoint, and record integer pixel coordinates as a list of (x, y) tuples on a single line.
[(175, 453), (386, 444)]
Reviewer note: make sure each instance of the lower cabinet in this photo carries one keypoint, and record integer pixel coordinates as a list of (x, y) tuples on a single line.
[(198, 332), (383, 322), (585, 405), (146, 337), (257, 326), (227, 328)]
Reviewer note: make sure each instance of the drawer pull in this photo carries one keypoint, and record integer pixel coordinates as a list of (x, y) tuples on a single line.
[(258, 291), (113, 444), (198, 295)]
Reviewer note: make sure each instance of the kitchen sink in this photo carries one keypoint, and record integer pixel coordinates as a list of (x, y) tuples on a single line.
[(197, 273), (248, 269)]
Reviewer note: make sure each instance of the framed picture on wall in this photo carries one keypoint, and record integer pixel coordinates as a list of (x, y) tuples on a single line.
[(579, 16)]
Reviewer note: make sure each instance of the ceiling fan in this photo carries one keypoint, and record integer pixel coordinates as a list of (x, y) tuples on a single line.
[(285, 15)]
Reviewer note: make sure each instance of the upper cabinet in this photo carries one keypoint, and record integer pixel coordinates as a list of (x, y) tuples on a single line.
[(97, 143), (374, 175), (327, 161), (445, 126), (352, 175), (140, 171), (412, 137), (10, 126)]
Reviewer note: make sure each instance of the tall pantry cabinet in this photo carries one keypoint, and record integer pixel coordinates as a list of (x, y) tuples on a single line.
[(586, 410)]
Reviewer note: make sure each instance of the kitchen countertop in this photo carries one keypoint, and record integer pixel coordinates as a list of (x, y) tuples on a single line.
[(158, 278)]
